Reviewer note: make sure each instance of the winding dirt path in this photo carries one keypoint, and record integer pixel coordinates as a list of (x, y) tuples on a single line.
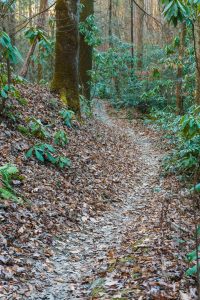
[(78, 256)]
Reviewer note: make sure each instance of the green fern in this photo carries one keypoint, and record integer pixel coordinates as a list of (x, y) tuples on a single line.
[(6, 190)]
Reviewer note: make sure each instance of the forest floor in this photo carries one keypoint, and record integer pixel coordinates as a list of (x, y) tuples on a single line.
[(110, 227)]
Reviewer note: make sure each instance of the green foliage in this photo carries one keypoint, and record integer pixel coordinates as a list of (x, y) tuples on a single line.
[(53, 103), (113, 77), (32, 33), (68, 116), (43, 152), (185, 158), (60, 138), (7, 172), (197, 188), (181, 10), (190, 124), (9, 51), (63, 162), (35, 128), (192, 257), (90, 31), (44, 52), (10, 55), (47, 153)]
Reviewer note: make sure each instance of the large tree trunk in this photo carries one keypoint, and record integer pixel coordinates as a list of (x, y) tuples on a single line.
[(86, 51), (65, 79), (140, 33), (179, 94), (197, 53)]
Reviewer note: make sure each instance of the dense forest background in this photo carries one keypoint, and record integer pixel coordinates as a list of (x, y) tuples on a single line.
[(135, 38)]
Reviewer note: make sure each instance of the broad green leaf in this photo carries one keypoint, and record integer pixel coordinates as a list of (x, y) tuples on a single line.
[(3, 94), (39, 155), (50, 158), (197, 188), (29, 153), (5, 194), (191, 271), (171, 3), (50, 148)]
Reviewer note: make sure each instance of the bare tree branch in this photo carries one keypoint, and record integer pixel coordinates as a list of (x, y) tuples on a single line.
[(146, 13), (24, 24)]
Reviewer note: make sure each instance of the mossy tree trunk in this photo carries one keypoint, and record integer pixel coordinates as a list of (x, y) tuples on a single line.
[(66, 75), (86, 52)]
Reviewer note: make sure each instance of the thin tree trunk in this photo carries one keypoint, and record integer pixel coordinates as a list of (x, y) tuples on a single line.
[(85, 51), (179, 95), (27, 61), (41, 25), (140, 33), (30, 12), (110, 22), (132, 36), (65, 79), (197, 54)]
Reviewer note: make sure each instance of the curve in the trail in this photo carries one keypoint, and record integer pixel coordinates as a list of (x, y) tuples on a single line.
[(78, 255)]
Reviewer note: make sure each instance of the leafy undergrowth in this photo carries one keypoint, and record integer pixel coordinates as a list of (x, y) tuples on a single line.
[(56, 200)]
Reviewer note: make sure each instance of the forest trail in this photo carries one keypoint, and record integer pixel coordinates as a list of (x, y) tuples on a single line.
[(82, 253)]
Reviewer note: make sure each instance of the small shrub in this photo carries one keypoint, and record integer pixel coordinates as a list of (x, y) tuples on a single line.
[(46, 152), (53, 103), (192, 256), (9, 53), (35, 128), (62, 162), (60, 138), (186, 156), (68, 117), (7, 172), (42, 152)]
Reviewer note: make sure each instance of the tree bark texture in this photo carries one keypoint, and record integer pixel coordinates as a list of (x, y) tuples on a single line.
[(179, 94), (85, 51), (197, 53), (140, 34), (41, 25), (65, 79)]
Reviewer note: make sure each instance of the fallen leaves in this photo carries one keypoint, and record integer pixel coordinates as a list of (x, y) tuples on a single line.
[(101, 218), (58, 201)]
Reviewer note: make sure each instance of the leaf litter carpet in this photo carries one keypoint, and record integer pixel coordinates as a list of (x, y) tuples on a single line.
[(97, 230)]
